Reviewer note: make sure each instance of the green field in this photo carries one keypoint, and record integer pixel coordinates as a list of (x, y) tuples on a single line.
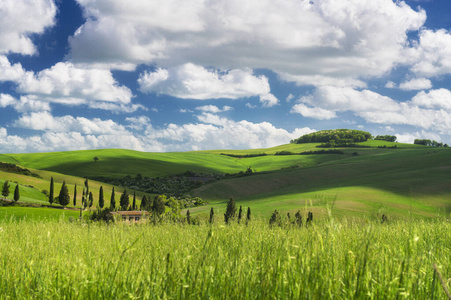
[(409, 181), (328, 260)]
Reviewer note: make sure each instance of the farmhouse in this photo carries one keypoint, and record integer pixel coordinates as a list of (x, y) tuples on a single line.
[(132, 216)]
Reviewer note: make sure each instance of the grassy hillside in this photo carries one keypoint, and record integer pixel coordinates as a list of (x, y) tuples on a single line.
[(409, 179)]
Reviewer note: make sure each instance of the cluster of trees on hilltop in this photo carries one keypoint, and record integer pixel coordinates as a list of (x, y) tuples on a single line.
[(338, 137), (426, 142), (388, 138)]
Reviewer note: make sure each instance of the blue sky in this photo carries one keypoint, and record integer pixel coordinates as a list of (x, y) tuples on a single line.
[(227, 74)]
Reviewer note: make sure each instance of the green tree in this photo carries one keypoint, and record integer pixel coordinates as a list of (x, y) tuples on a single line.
[(101, 199), (64, 198), (96, 159), (158, 205), (144, 203), (275, 219), (84, 199), (230, 211), (112, 200), (134, 201), (248, 215), (240, 214), (188, 217), (51, 191), (5, 190), (91, 199), (75, 195), (87, 187), (124, 201), (16, 193), (212, 213)]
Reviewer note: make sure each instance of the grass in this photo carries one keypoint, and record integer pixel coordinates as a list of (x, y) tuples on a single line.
[(17, 213), (328, 260)]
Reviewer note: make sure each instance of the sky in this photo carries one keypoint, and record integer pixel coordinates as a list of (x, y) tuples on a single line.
[(176, 75)]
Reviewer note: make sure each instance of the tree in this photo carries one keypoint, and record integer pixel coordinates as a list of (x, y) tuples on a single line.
[(16, 193), (124, 201), (212, 213), (275, 219), (64, 198), (112, 200), (158, 205), (75, 195), (248, 215), (51, 191), (95, 159), (87, 187), (101, 199), (91, 199), (134, 201), (188, 217), (84, 200), (230, 211), (5, 190), (240, 213), (144, 203)]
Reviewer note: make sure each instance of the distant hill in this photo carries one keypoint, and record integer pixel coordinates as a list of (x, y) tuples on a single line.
[(374, 177)]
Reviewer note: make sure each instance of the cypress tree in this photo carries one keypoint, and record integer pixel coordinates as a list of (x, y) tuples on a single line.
[(91, 199), (16, 193), (240, 213), (124, 201), (248, 216), (51, 191), (87, 187), (101, 200), (212, 213), (188, 217), (64, 198), (112, 200), (75, 195), (134, 201), (230, 211), (5, 190), (84, 201), (144, 203)]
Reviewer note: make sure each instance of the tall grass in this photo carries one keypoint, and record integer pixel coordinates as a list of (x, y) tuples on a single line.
[(340, 260)]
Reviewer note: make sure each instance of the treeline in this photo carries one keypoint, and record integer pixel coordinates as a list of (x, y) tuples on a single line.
[(12, 168), (174, 186), (335, 136), (332, 151), (244, 155), (388, 138), (426, 142)]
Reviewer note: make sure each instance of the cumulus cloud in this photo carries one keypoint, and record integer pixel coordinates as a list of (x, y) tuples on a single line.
[(313, 112), (24, 104), (211, 132), (416, 84), (214, 109), (69, 84), (19, 19), (429, 111), (9, 72), (329, 39), (432, 55), (191, 81)]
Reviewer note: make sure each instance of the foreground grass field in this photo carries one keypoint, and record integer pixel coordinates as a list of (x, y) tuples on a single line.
[(328, 260)]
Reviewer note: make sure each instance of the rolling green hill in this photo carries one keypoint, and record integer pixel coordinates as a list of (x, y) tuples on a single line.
[(408, 180)]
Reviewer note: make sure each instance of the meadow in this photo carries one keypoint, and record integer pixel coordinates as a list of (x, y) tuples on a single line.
[(359, 259)]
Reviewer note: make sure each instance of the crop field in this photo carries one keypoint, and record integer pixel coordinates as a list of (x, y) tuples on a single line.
[(327, 260)]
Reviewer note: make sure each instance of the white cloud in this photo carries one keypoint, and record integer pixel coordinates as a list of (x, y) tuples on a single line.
[(438, 99), (411, 137), (289, 98), (307, 41), (191, 81), (10, 72), (429, 111), (313, 112), (416, 84), (44, 121), (214, 109), (21, 18), (390, 85), (24, 104), (212, 132), (432, 56), (66, 83), (268, 100)]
